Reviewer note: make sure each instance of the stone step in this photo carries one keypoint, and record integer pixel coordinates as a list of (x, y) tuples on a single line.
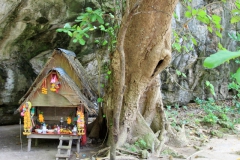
[(62, 155), (64, 147)]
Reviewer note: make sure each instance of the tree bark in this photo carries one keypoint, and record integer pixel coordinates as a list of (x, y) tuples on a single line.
[(144, 48)]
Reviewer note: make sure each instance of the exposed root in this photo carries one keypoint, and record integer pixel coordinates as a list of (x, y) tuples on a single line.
[(102, 152), (122, 154), (168, 150), (189, 157), (124, 150), (177, 139)]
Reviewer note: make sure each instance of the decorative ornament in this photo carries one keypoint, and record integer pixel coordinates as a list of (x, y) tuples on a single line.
[(27, 125), (69, 120), (40, 117), (80, 121), (55, 84), (44, 87)]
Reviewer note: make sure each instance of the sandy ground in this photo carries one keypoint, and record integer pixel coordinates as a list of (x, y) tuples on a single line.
[(227, 148), (11, 148)]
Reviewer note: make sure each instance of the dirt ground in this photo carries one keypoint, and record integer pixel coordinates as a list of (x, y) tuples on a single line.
[(226, 148), (11, 148)]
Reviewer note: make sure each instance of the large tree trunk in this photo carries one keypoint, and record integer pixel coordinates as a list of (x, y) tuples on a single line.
[(144, 50)]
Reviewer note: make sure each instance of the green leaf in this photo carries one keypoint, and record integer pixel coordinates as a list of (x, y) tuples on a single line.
[(104, 42), (178, 72), (89, 9), (70, 33), (237, 76), (60, 30), (194, 12), (204, 19), (194, 41), (93, 18), (219, 58), (218, 26), (209, 29), (211, 87), (111, 15), (220, 47), (185, 48), (202, 13), (79, 28), (218, 34), (100, 19), (216, 19), (99, 100), (81, 41), (86, 29), (109, 72), (235, 11), (233, 36), (189, 7), (188, 14), (207, 83), (177, 46), (238, 37), (175, 15), (237, 3), (91, 29), (80, 17), (102, 28), (184, 75), (75, 40), (67, 25), (235, 19)]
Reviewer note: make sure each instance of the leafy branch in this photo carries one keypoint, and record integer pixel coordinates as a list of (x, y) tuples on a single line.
[(89, 21)]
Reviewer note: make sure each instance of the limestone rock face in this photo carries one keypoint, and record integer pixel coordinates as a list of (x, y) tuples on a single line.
[(177, 89), (28, 28), (28, 36)]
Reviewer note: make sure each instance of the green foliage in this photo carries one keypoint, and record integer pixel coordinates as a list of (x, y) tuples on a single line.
[(235, 37), (99, 100), (211, 87), (236, 12), (141, 144), (133, 148), (89, 21), (219, 58), (183, 42), (217, 114), (213, 22), (172, 115), (210, 118), (179, 73), (235, 86)]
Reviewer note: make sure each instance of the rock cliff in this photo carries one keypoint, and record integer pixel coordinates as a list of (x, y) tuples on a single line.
[(28, 36)]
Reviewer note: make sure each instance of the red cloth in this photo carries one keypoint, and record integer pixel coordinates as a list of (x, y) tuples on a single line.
[(84, 137)]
